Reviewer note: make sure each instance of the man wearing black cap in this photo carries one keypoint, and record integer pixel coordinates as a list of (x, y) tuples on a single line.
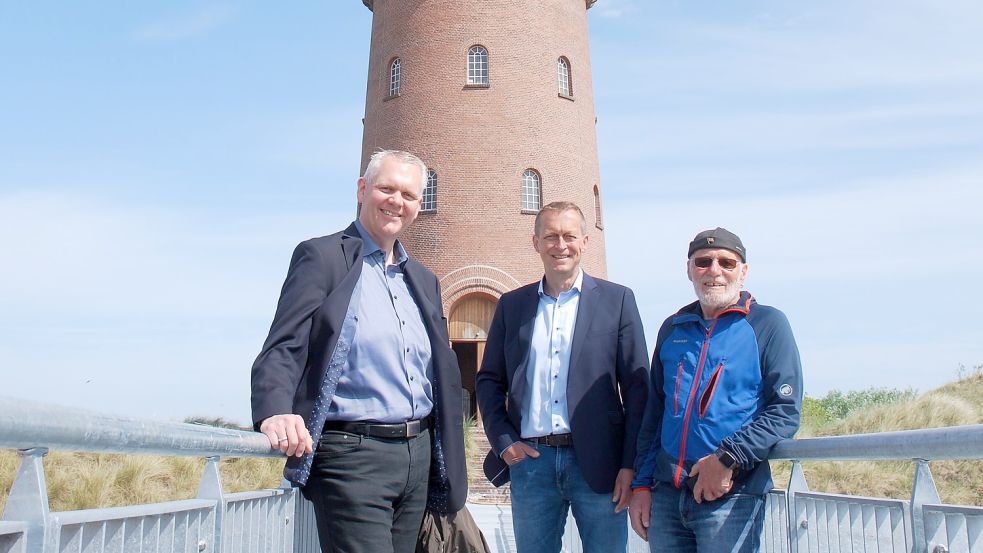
[(726, 386)]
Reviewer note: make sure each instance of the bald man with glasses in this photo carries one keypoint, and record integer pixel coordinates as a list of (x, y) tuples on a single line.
[(726, 386)]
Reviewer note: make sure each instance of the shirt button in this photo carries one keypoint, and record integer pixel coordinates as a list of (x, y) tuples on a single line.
[(407, 350), (404, 322), (395, 297), (411, 379), (556, 401)]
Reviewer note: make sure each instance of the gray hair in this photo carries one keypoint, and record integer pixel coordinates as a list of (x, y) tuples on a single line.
[(372, 169), (560, 207)]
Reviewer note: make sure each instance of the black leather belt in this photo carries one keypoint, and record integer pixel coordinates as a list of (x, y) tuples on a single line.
[(408, 429), (554, 440)]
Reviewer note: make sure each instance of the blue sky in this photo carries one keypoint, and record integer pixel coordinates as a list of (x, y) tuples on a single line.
[(158, 162)]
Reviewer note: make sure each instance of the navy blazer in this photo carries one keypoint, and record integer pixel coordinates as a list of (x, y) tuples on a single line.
[(607, 384), (287, 374)]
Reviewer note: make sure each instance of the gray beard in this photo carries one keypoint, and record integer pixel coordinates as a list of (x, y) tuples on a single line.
[(712, 301)]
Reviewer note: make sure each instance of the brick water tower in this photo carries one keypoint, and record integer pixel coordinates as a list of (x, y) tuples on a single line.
[(495, 96)]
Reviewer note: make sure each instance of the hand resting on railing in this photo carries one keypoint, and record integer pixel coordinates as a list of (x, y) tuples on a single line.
[(288, 433)]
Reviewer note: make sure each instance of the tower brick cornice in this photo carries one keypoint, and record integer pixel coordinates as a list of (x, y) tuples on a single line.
[(368, 3)]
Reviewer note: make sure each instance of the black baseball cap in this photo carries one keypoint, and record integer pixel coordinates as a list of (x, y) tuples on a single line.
[(718, 238)]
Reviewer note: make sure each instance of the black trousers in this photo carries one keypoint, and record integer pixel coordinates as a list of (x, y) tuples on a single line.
[(369, 494)]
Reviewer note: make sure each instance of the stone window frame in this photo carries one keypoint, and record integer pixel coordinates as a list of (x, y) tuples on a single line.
[(564, 78), (428, 203), (478, 67), (395, 77), (532, 191), (598, 218)]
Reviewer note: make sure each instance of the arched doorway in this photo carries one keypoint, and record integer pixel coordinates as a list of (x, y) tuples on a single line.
[(468, 324)]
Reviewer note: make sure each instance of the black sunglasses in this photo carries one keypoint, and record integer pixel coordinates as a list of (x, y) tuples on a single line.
[(725, 263)]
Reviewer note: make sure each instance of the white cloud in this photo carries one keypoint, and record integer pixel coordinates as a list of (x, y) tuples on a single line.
[(840, 46), (181, 27), (614, 9)]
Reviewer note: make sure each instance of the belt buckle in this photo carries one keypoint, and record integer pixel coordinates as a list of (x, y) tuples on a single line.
[(412, 428)]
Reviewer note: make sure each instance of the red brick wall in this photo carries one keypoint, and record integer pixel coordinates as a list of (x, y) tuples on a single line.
[(481, 140)]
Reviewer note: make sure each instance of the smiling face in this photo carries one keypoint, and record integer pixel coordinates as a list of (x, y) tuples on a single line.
[(560, 242), (391, 202), (716, 286)]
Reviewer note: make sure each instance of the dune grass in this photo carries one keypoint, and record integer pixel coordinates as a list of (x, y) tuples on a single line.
[(958, 482), (88, 480)]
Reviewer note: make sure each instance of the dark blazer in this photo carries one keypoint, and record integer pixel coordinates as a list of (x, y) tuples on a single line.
[(606, 388), (287, 374)]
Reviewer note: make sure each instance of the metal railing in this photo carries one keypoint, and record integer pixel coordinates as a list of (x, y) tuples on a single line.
[(819, 522), (275, 521), (798, 520)]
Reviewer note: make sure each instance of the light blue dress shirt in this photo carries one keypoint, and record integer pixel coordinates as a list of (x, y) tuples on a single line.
[(388, 373), (548, 366)]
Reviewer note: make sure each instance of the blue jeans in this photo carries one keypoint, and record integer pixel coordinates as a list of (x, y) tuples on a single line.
[(544, 488), (679, 524)]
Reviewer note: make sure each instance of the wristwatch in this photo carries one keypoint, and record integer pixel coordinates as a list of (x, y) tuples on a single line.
[(726, 458)]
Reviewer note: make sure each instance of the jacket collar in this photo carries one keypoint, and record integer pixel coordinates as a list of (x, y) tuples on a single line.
[(585, 316), (369, 246), (692, 312), (351, 245)]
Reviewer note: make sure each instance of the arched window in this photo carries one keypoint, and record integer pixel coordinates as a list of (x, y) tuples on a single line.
[(598, 221), (563, 77), (394, 73), (477, 65), (429, 202), (532, 192)]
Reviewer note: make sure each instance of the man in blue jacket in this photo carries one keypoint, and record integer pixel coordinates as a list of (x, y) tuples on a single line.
[(726, 386)]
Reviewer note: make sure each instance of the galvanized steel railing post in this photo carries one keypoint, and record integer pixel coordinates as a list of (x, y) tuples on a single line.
[(28, 499), (211, 488), (798, 528), (923, 492)]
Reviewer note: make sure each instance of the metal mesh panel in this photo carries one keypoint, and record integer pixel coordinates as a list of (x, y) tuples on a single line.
[(258, 521), (774, 535), (176, 527), (305, 527), (958, 529), (12, 537), (832, 523)]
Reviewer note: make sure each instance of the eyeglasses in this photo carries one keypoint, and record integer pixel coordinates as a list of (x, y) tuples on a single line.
[(725, 263)]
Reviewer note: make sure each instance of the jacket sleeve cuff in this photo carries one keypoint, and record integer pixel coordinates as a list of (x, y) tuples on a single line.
[(504, 449)]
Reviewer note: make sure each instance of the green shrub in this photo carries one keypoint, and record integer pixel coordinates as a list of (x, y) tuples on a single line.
[(814, 416), (839, 405)]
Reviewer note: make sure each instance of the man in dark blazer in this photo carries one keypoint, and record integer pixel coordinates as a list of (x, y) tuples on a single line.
[(357, 383), (561, 390)]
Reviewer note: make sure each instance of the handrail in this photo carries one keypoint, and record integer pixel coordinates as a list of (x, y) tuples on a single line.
[(930, 444), (27, 424)]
